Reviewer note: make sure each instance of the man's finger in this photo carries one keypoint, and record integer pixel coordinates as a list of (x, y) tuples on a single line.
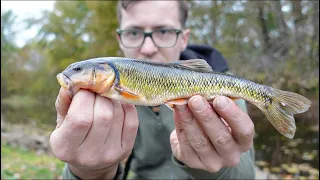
[(198, 140), (182, 149), (62, 104), (240, 123), (102, 122), (130, 126), (215, 129), (117, 120), (73, 130), (79, 119)]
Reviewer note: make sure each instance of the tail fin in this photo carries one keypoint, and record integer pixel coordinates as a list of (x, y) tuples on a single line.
[(282, 108)]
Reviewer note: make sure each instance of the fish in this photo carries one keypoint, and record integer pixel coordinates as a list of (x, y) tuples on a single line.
[(150, 83)]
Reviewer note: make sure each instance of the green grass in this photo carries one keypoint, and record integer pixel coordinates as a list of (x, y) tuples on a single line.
[(22, 164)]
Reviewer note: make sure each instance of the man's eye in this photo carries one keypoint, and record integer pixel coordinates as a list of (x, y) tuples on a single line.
[(133, 33), (163, 31)]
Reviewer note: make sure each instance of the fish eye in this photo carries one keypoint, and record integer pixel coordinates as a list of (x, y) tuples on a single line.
[(77, 68)]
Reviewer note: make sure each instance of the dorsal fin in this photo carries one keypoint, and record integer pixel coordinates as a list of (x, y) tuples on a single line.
[(199, 64)]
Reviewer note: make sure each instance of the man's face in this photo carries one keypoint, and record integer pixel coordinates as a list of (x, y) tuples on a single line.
[(149, 16)]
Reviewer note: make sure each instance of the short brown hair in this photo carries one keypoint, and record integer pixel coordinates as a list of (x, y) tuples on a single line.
[(183, 9)]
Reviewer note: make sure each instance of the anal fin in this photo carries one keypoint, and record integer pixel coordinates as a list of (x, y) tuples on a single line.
[(234, 98), (170, 104)]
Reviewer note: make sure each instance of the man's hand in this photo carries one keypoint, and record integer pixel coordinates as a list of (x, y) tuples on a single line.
[(211, 138), (93, 133)]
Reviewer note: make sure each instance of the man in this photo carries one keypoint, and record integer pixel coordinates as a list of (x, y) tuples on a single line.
[(199, 140)]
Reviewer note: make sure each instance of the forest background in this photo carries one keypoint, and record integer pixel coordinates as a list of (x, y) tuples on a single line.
[(275, 43)]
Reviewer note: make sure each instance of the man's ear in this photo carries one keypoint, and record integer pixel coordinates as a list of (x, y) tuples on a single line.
[(118, 38), (185, 39)]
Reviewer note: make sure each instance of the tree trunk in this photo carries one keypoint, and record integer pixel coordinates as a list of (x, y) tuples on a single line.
[(314, 50), (296, 12), (280, 18), (282, 41), (214, 19), (264, 28)]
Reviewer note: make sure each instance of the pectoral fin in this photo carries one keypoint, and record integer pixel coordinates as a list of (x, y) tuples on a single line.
[(126, 94)]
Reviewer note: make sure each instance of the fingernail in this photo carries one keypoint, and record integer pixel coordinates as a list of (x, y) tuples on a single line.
[(222, 102), (197, 104), (181, 108)]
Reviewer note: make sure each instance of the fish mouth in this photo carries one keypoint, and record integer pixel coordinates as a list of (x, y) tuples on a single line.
[(64, 81)]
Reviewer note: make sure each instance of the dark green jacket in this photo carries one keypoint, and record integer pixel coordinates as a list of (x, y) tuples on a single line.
[(152, 156)]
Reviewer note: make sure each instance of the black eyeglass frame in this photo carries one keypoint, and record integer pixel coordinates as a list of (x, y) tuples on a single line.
[(149, 34)]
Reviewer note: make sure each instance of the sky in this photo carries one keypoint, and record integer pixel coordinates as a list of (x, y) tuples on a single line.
[(25, 9)]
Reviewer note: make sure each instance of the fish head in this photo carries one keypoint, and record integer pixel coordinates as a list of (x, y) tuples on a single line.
[(95, 76)]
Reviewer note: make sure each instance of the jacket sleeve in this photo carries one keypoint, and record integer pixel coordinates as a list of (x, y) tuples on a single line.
[(244, 170), (67, 174)]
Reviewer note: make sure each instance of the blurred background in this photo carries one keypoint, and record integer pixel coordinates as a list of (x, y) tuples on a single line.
[(275, 43)]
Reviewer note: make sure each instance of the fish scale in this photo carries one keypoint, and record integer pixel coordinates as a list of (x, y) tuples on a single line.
[(141, 77)]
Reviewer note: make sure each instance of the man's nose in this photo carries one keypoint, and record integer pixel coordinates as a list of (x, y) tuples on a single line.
[(148, 47)]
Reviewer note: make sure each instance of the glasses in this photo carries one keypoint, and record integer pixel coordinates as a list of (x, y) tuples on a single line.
[(162, 38)]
